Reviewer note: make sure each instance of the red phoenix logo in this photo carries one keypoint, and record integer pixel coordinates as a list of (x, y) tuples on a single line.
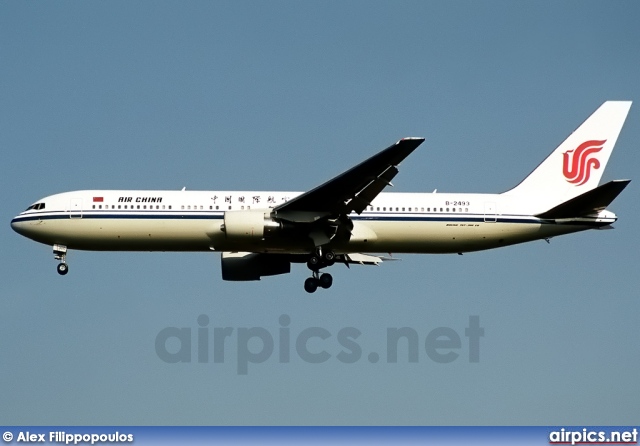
[(577, 163)]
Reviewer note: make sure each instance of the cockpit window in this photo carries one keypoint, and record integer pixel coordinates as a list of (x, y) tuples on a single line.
[(35, 207)]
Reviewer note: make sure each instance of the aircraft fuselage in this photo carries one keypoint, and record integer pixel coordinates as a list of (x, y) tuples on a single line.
[(427, 223)]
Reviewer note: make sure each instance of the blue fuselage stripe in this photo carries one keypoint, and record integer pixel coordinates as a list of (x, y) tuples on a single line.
[(176, 215)]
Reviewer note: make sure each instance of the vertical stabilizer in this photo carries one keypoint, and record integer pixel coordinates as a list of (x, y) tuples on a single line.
[(577, 165)]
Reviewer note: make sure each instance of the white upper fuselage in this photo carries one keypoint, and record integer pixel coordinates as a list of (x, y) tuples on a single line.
[(129, 220)]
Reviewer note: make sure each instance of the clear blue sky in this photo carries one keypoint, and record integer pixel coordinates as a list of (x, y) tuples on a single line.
[(281, 96)]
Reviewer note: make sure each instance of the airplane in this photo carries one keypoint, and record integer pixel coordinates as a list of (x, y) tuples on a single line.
[(348, 219)]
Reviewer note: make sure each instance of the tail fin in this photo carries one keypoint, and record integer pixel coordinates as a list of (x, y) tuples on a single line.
[(576, 166)]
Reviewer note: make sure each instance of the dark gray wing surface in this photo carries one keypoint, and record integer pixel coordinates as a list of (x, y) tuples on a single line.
[(351, 191), (588, 203)]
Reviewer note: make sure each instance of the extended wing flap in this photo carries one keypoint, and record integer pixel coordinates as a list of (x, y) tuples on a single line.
[(364, 259), (590, 202)]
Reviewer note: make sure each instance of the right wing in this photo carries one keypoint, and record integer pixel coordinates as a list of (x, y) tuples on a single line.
[(365, 259), (351, 191)]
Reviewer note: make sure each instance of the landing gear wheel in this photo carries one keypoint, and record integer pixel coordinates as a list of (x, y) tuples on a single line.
[(326, 280), (313, 262), (311, 285), (329, 257), (60, 253)]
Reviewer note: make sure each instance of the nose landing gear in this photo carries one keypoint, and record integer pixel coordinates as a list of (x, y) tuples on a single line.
[(63, 269), (60, 253)]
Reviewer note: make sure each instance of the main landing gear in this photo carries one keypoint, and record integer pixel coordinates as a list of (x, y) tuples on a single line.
[(60, 253), (317, 261), (324, 280)]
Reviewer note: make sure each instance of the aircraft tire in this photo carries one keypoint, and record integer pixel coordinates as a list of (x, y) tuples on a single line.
[(326, 280), (311, 285), (313, 263), (63, 269)]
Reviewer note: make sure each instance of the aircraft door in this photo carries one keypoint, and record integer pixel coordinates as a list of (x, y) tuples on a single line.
[(490, 212), (75, 208)]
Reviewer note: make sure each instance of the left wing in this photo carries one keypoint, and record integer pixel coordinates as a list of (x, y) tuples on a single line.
[(351, 191), (364, 259)]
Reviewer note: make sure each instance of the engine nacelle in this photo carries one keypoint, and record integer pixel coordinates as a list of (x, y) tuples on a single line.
[(243, 266), (249, 225)]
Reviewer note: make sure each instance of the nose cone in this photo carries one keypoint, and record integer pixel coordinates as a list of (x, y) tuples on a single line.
[(31, 227), (19, 226), (26, 225)]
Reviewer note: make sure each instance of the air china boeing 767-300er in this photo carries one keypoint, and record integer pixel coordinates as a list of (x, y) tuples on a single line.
[(345, 220)]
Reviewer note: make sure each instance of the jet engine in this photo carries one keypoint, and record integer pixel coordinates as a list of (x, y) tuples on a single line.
[(249, 225), (242, 266)]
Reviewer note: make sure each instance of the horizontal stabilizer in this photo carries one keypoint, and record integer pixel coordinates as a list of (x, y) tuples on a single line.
[(589, 203)]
